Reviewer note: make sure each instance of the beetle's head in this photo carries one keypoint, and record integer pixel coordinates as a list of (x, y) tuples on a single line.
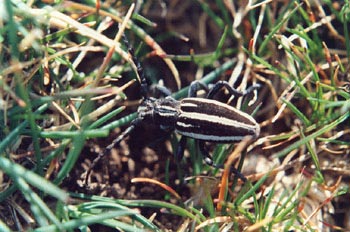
[(146, 109)]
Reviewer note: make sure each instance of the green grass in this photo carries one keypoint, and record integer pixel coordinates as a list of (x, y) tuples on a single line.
[(68, 88)]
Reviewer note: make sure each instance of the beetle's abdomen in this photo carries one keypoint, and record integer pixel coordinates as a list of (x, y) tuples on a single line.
[(211, 120)]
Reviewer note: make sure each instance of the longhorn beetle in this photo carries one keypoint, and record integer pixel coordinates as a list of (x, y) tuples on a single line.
[(203, 119)]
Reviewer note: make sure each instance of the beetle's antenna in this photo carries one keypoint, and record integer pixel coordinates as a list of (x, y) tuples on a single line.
[(140, 71), (115, 142), (134, 123)]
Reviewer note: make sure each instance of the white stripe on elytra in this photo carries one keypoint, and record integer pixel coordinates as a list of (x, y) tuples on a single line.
[(186, 125), (208, 101), (189, 104), (210, 137), (216, 119), (214, 102)]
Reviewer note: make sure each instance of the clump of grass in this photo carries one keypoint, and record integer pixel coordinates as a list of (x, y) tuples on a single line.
[(67, 81)]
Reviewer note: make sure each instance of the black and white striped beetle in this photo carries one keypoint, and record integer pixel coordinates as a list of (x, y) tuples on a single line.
[(203, 119), (199, 118)]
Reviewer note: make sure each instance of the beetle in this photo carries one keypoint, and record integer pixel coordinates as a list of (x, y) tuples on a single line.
[(203, 119)]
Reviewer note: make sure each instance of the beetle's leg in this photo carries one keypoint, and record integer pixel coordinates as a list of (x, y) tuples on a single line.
[(209, 160), (161, 89), (195, 86), (114, 143), (181, 149), (232, 90)]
